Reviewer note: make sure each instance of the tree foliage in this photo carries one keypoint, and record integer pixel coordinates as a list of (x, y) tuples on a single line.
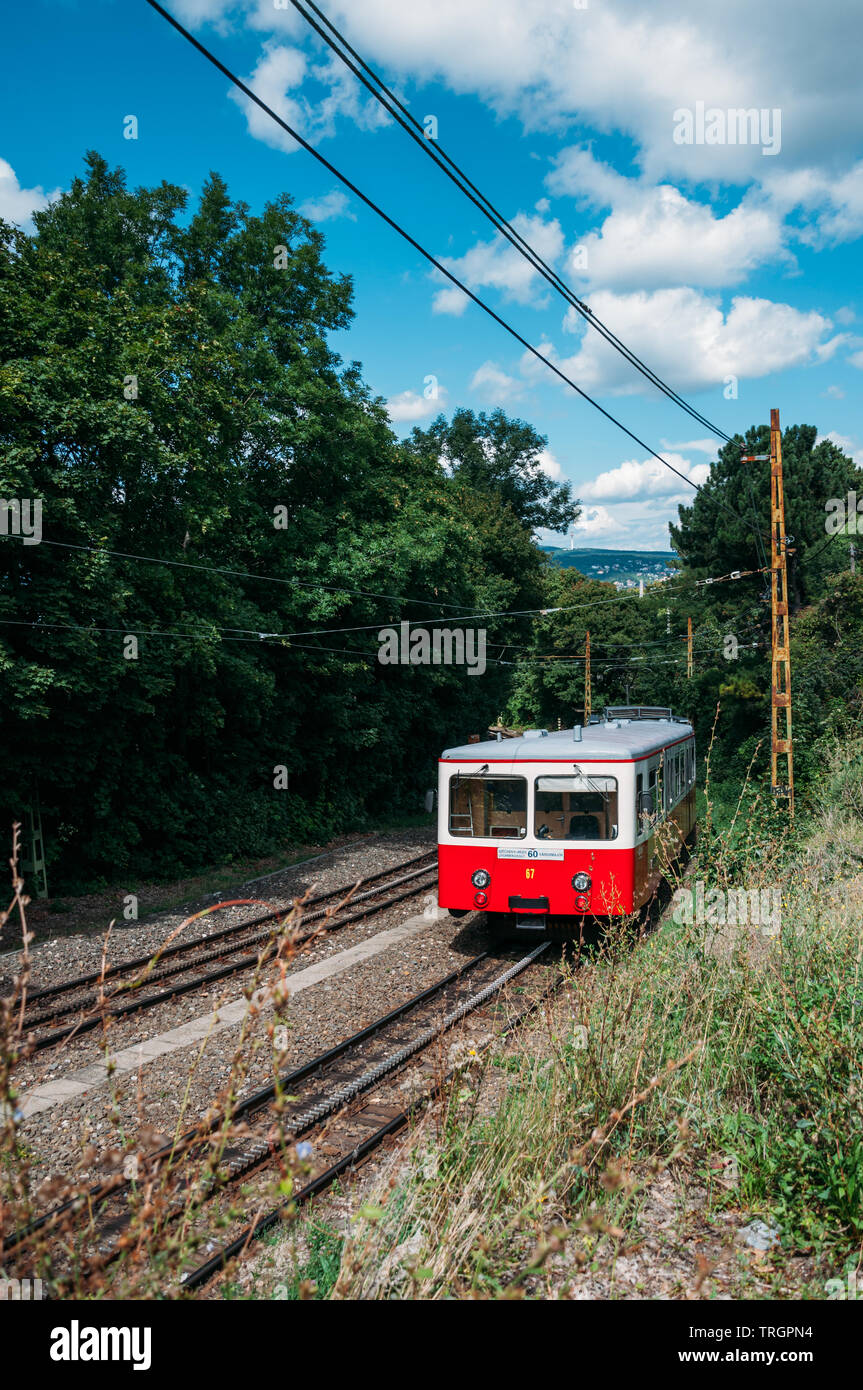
[(219, 486), (167, 388), (502, 458)]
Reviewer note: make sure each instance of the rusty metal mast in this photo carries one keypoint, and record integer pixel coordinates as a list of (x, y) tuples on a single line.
[(587, 706), (780, 684), (780, 651), (689, 649)]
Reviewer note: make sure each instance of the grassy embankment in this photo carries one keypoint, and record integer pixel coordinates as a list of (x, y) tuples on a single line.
[(712, 1073)]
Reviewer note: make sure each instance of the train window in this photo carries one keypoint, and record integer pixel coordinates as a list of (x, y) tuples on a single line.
[(650, 800), (488, 807), (575, 808)]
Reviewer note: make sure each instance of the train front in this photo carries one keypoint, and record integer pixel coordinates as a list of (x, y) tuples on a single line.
[(533, 830)]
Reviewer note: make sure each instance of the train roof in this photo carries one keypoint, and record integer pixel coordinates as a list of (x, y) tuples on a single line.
[(617, 740)]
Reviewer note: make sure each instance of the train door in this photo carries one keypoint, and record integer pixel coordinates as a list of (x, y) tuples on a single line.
[(647, 804)]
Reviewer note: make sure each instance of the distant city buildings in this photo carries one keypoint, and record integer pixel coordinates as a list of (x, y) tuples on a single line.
[(624, 569)]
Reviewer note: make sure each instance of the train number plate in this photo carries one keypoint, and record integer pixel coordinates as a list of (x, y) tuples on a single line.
[(524, 852)]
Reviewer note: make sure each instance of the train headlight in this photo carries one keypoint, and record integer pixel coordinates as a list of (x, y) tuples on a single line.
[(481, 878), (581, 882)]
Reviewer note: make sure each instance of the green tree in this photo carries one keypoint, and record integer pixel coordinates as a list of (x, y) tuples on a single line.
[(168, 389), (727, 526), (494, 455)]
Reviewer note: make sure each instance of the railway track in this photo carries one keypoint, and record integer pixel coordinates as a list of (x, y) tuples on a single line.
[(229, 951), (329, 1099), (365, 1127)]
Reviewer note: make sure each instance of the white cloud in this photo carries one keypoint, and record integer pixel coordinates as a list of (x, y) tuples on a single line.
[(328, 208), (688, 339), (834, 393), (628, 525), (498, 265), (588, 180), (698, 446), (278, 79), (833, 202), (634, 479), (620, 66), (595, 522), (18, 204), (495, 384), (550, 466), (451, 300), (409, 405), (654, 236)]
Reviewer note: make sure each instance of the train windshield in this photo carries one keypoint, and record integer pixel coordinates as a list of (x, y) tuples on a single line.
[(488, 807), (575, 808)]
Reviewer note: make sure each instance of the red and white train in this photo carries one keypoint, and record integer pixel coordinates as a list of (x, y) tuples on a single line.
[(550, 826)]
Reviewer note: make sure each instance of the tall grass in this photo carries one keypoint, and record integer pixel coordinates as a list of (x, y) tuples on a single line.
[(170, 1216), (706, 1051), (720, 1064)]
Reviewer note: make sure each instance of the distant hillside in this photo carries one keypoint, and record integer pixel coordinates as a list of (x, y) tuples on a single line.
[(624, 567)]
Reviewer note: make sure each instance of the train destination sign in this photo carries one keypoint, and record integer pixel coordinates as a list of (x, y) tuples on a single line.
[(523, 852)]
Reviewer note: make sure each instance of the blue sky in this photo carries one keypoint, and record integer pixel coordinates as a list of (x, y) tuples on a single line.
[(710, 260)]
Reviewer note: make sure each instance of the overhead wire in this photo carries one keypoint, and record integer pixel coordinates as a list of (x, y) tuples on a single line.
[(660, 589), (427, 255), (373, 83)]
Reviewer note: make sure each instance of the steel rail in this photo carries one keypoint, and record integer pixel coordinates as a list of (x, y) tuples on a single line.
[(256, 1101), (138, 962), (196, 1278), (113, 1010), (179, 968)]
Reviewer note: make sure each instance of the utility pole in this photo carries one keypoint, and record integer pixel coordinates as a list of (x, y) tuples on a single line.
[(689, 649), (587, 682), (780, 652), (780, 687), (853, 558)]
